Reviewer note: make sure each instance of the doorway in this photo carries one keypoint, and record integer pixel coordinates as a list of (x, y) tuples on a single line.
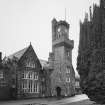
[(58, 91)]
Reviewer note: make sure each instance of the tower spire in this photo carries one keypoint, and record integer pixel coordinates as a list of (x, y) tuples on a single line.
[(102, 3)]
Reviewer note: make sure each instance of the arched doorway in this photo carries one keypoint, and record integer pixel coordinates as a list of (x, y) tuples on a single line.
[(58, 91)]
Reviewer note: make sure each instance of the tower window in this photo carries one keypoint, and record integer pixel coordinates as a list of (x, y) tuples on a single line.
[(58, 35), (67, 79), (1, 74), (67, 69), (68, 53)]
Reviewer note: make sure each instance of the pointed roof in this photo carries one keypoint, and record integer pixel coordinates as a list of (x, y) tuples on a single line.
[(102, 3), (17, 54)]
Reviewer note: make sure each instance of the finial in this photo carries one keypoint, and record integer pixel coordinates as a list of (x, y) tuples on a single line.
[(30, 43)]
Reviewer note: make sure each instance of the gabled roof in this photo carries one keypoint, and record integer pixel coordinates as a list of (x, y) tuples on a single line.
[(18, 54)]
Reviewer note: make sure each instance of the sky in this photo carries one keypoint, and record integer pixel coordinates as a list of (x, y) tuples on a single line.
[(25, 21)]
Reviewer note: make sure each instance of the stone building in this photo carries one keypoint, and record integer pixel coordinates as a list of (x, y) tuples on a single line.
[(47, 70), (60, 60), (27, 79), (28, 76)]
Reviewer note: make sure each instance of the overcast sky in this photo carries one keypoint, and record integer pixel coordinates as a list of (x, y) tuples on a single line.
[(25, 21)]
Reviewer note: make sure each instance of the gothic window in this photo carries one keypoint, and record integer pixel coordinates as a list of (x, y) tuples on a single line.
[(23, 74), (36, 87), (35, 76), (58, 35), (30, 75), (33, 65), (77, 83), (67, 69), (68, 53), (67, 79), (1, 74), (24, 86), (30, 86), (30, 64), (27, 75)]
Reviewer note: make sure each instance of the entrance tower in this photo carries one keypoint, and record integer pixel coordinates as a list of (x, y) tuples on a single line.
[(63, 75)]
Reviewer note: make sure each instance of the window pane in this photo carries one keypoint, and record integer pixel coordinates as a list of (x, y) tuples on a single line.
[(1, 74)]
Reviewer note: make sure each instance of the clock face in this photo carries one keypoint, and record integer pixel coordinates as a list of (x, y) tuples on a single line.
[(62, 30), (59, 29)]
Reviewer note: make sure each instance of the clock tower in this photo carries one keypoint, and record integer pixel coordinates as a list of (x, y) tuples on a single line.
[(63, 76)]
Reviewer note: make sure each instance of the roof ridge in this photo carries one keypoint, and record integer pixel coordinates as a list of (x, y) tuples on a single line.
[(18, 54)]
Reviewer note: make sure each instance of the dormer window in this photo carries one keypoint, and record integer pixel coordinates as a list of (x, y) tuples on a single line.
[(35, 76), (68, 53)]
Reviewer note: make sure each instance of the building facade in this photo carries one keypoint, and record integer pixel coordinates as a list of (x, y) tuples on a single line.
[(60, 60), (27, 76)]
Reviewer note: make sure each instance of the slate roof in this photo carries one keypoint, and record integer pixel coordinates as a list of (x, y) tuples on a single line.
[(18, 54)]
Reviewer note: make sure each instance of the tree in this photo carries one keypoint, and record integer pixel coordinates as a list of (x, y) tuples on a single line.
[(10, 67), (91, 55)]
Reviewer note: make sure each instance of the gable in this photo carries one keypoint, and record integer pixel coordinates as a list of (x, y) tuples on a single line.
[(30, 59), (18, 54)]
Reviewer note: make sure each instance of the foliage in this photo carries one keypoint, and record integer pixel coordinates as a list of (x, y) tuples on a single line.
[(91, 56), (92, 76), (10, 68)]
